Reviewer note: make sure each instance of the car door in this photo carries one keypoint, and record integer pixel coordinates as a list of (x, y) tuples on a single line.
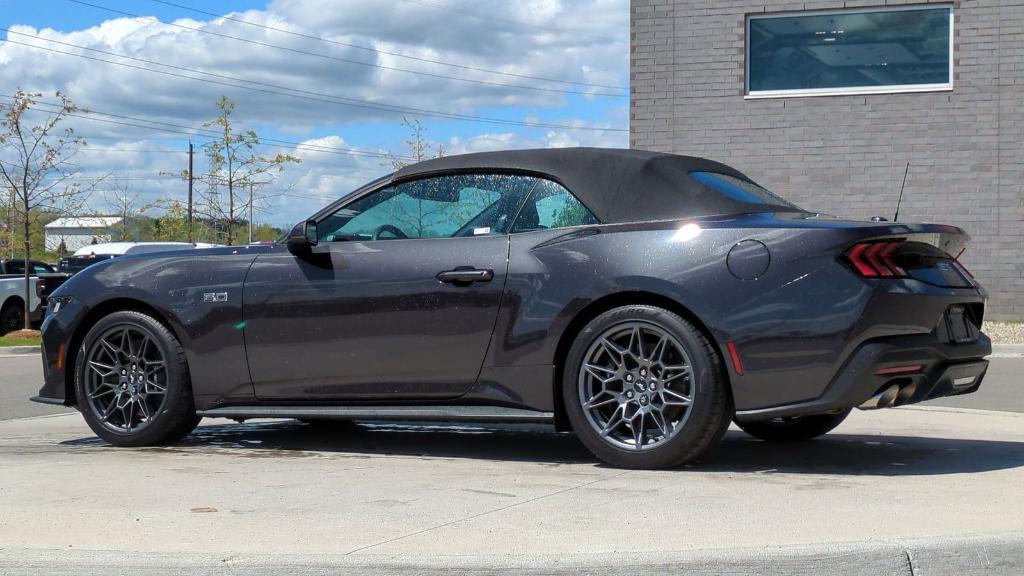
[(399, 301)]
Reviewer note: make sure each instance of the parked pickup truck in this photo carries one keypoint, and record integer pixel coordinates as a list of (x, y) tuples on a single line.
[(12, 292), (89, 255)]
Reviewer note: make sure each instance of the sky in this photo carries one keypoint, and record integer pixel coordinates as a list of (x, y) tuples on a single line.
[(327, 81)]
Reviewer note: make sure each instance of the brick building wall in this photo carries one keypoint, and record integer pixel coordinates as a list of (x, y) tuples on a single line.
[(846, 155)]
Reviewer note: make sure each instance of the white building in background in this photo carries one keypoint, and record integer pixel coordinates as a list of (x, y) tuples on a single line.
[(76, 233)]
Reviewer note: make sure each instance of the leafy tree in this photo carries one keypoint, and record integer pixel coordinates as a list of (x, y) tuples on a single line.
[(172, 225), (237, 174), (266, 232), (36, 167), (571, 213)]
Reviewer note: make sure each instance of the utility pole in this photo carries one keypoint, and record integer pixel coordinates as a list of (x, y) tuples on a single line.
[(191, 151), (250, 212)]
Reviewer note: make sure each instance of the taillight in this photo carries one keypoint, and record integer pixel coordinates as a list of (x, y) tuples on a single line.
[(40, 287), (875, 259)]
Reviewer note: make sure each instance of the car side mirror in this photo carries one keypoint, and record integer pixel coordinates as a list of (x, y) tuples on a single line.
[(302, 238)]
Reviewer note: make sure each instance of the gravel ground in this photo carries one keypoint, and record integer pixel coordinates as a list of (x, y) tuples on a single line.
[(1005, 332)]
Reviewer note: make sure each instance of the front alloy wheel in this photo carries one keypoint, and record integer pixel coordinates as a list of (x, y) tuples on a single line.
[(131, 381), (126, 378), (643, 388)]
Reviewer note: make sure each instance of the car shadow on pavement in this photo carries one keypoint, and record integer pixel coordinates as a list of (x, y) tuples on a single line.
[(864, 455), (842, 454)]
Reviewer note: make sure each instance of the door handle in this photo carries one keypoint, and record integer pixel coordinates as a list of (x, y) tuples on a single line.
[(465, 275)]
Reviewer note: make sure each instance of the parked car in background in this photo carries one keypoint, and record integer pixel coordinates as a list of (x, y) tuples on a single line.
[(16, 266), (12, 292), (89, 255)]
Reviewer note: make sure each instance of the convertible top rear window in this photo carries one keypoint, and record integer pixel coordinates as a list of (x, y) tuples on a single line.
[(739, 189)]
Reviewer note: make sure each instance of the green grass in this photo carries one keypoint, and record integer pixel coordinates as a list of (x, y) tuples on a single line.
[(5, 341)]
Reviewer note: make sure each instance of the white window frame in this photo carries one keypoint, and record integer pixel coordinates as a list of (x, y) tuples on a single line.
[(851, 90)]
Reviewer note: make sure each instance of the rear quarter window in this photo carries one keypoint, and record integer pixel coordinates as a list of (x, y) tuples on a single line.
[(739, 189)]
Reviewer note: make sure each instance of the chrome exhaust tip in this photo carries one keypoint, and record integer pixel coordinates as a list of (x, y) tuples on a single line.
[(905, 394), (885, 398)]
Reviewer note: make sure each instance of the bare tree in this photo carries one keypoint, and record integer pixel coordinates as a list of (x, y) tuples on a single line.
[(237, 173), (36, 167), (124, 203)]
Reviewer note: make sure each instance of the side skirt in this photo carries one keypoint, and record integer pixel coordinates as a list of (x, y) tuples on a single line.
[(427, 413)]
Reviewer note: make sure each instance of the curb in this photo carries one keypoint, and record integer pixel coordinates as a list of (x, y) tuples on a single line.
[(991, 555), (921, 407), (19, 350), (1007, 351)]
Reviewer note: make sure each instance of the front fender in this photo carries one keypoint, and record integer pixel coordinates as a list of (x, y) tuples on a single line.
[(199, 296)]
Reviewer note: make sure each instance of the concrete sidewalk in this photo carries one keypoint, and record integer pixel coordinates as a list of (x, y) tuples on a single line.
[(972, 556), (1007, 351), (887, 487)]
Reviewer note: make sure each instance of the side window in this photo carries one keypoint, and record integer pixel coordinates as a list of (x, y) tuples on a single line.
[(438, 207), (40, 268), (552, 206), (16, 267)]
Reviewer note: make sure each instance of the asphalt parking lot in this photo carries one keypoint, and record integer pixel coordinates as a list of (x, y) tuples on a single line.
[(923, 489)]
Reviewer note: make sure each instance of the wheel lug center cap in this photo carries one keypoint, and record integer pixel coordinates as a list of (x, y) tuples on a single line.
[(640, 386)]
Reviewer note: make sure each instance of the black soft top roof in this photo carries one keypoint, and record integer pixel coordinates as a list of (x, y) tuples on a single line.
[(616, 185)]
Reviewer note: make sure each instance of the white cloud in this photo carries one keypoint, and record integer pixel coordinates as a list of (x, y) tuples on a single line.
[(582, 40)]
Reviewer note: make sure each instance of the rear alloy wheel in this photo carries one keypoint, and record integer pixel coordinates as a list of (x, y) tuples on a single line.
[(794, 428), (132, 382), (643, 388)]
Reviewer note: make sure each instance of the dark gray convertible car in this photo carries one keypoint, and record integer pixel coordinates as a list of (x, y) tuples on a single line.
[(641, 300)]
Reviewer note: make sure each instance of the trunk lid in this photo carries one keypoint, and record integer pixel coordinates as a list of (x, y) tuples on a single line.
[(925, 252)]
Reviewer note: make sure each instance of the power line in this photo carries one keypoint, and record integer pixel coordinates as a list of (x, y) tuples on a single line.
[(132, 150), (340, 59), (379, 51), (192, 131), (169, 177), (337, 100), (126, 178)]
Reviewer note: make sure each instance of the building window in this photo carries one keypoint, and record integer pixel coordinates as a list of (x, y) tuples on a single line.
[(898, 49)]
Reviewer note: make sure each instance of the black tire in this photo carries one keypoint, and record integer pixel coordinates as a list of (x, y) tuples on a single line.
[(11, 317), (176, 416), (794, 428), (697, 433), (723, 429)]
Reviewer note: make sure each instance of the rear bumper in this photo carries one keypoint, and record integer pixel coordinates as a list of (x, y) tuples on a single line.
[(945, 370)]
